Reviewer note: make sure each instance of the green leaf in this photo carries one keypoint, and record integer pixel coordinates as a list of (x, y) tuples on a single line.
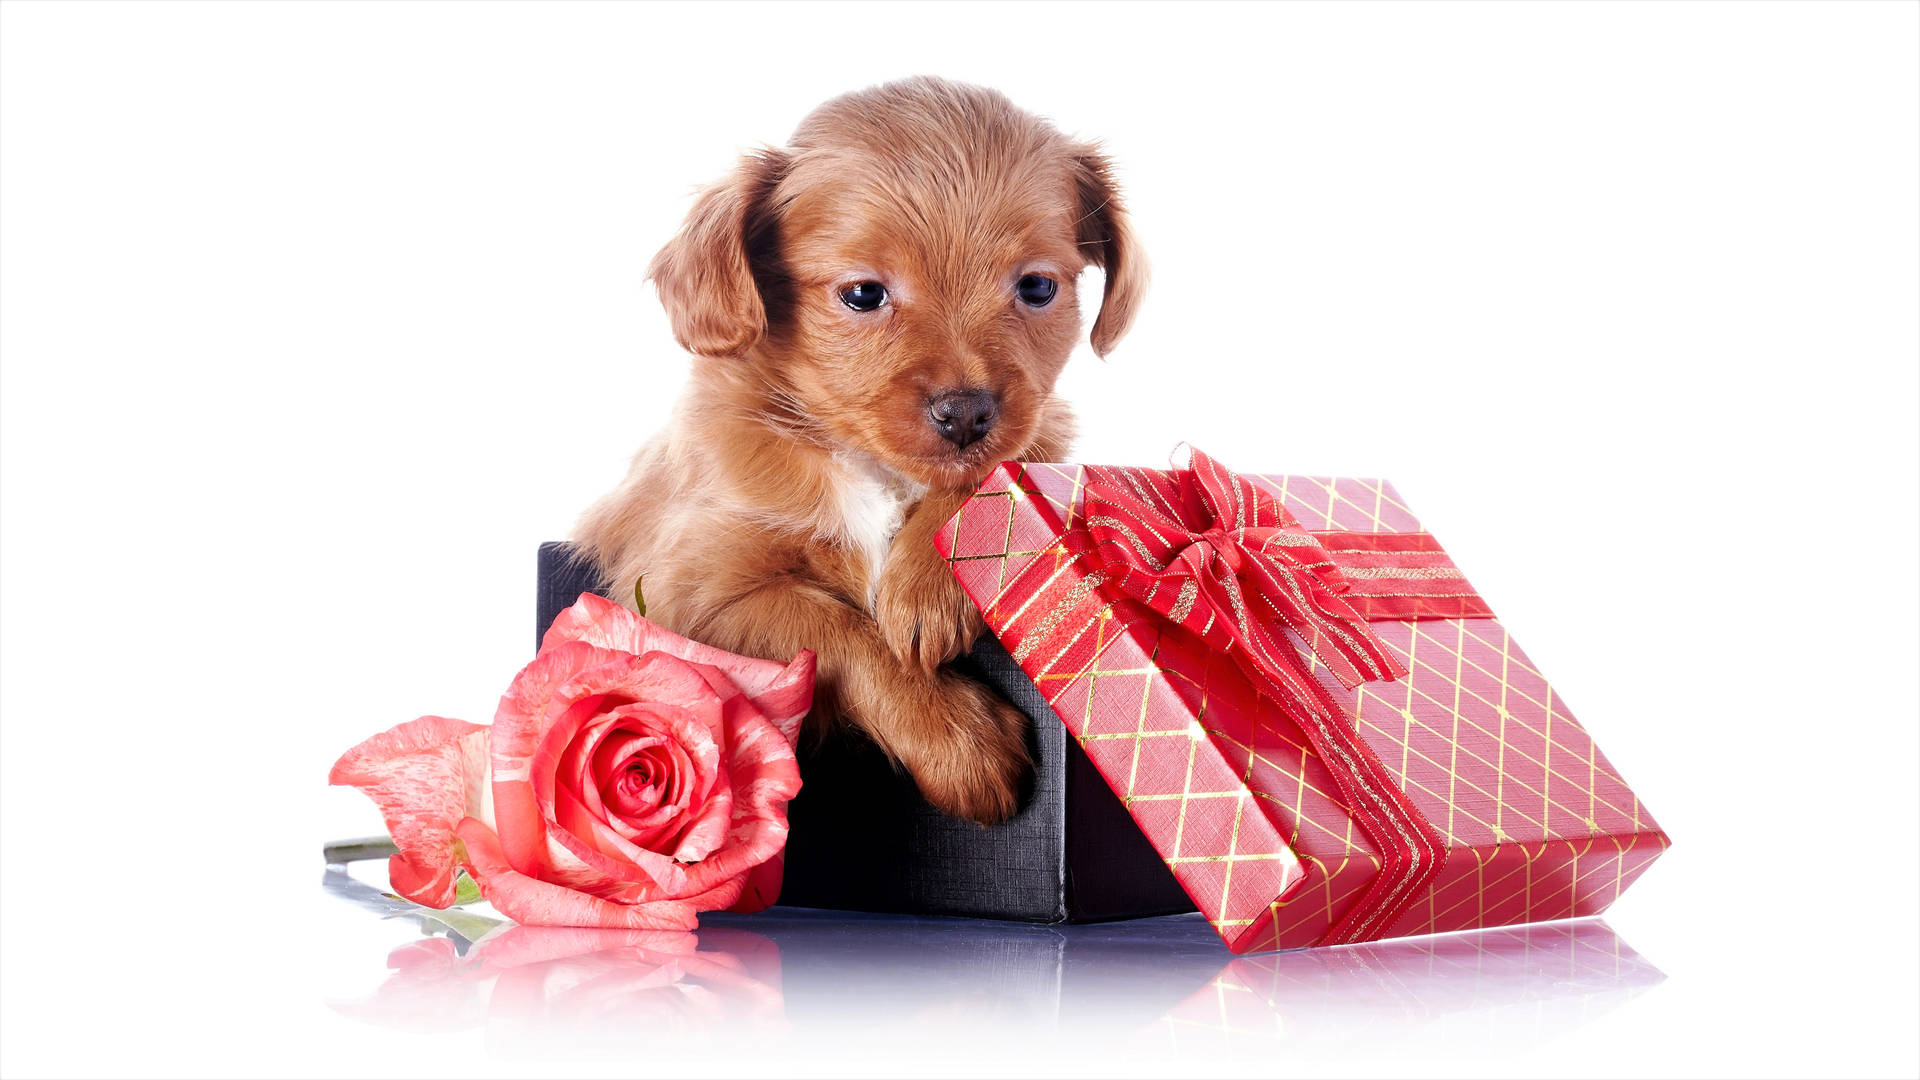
[(462, 924), (465, 923), (465, 890), (639, 601)]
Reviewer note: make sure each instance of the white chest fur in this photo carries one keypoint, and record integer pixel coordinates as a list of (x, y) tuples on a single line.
[(871, 502)]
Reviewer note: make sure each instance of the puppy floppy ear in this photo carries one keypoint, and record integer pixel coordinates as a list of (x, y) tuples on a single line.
[(1106, 236), (705, 273)]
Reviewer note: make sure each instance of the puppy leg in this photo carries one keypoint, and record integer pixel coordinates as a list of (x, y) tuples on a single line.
[(923, 613), (964, 746)]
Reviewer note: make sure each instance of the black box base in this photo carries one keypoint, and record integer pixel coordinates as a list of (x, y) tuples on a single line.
[(864, 840)]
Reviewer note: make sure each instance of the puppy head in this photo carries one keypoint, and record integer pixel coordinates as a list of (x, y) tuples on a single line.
[(903, 276)]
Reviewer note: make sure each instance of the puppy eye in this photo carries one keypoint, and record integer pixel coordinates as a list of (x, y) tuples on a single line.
[(1036, 290), (864, 295)]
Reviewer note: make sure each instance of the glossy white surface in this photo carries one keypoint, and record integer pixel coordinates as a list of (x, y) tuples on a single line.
[(316, 319), (837, 984)]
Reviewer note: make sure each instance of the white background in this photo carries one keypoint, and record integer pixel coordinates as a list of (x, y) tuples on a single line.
[(317, 319)]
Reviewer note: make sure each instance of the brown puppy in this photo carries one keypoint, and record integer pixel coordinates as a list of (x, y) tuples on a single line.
[(881, 309)]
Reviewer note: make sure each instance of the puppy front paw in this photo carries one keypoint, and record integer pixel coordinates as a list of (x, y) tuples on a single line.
[(924, 614), (978, 766)]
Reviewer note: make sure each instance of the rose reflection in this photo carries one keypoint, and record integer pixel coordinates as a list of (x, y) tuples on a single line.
[(582, 985)]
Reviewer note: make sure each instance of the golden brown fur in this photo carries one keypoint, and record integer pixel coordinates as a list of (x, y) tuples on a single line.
[(792, 501)]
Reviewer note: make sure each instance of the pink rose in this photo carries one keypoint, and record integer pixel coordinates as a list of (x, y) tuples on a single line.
[(631, 778)]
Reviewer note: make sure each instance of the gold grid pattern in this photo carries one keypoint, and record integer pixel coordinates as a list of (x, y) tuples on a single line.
[(1539, 825)]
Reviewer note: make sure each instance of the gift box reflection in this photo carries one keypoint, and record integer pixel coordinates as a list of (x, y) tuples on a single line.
[(593, 990), (1514, 985)]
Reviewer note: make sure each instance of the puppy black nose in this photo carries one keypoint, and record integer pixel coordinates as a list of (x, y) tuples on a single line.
[(963, 417)]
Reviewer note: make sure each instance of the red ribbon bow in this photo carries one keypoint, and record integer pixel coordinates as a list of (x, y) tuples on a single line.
[(1210, 551), (1220, 557)]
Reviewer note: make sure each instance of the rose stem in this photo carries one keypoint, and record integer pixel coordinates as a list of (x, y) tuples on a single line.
[(341, 852)]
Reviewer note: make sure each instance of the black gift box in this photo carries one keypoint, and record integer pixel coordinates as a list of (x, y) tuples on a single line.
[(864, 840)]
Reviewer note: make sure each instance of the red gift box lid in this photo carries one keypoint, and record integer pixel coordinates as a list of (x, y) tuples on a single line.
[(1533, 821)]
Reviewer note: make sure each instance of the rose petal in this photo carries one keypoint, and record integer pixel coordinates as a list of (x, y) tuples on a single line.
[(783, 693), (720, 897), (623, 864), (765, 776), (761, 886), (526, 710), (612, 758), (597, 621), (668, 698), (701, 797), (537, 716), (783, 700), (583, 719), (707, 827), (651, 692), (689, 739), (663, 795), (532, 902), (595, 752), (576, 765), (424, 775), (576, 862), (758, 834)]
